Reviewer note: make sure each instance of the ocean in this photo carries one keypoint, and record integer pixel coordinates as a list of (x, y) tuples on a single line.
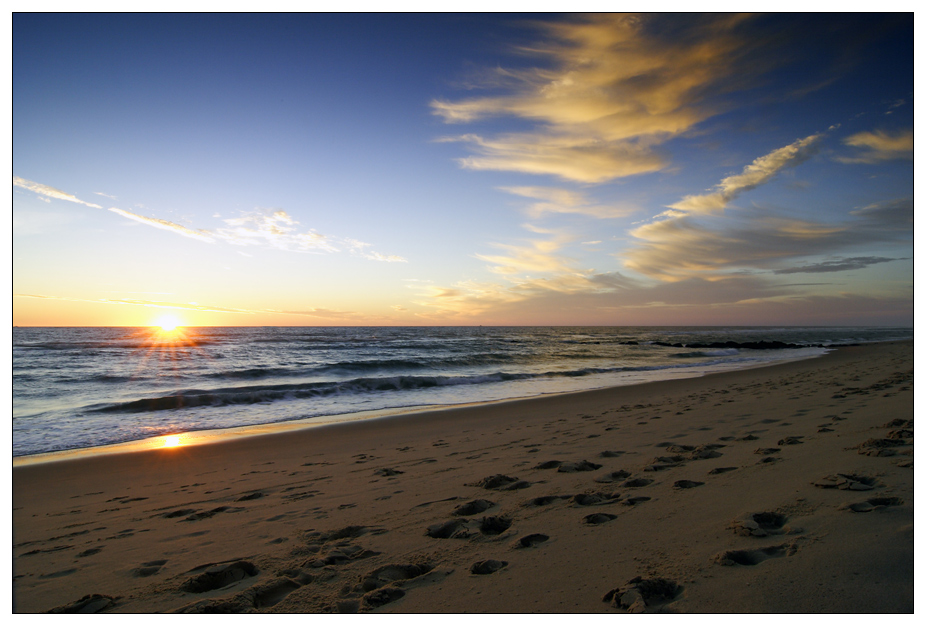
[(79, 388)]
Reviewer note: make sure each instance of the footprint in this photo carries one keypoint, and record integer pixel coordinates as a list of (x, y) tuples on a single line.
[(494, 525), (598, 519), (531, 540), (89, 604), (611, 477), (385, 575), (148, 568), (540, 501), (383, 596), (685, 484), (487, 567), (250, 497), (752, 557), (634, 500), (719, 471), (640, 594), (596, 498), (664, 462), (495, 482), (790, 440), (759, 524), (271, 593), (875, 503), (548, 465), (766, 451), (387, 472), (636, 483), (218, 576), (879, 447), (582, 466), (845, 481), (473, 507), (611, 453)]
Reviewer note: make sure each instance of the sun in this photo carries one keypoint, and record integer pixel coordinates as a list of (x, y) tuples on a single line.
[(167, 323)]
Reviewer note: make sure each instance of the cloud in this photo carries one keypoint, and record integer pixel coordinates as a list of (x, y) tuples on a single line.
[(158, 223), (273, 228), (535, 257), (557, 200), (50, 192), (677, 248), (879, 146), (761, 171), (836, 265), (614, 88), (570, 157)]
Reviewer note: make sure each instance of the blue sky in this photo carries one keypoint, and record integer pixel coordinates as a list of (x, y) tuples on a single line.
[(463, 169)]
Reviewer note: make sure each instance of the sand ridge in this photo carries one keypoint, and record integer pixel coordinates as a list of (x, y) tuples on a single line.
[(779, 489)]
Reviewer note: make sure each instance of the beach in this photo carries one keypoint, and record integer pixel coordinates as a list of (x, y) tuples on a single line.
[(782, 489)]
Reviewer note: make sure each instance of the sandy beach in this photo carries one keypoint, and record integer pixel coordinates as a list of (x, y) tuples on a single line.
[(788, 488)]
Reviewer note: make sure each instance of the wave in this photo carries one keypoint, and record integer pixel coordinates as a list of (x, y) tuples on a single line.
[(255, 394)]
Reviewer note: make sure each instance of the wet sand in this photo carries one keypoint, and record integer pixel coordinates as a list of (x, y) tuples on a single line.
[(788, 488)]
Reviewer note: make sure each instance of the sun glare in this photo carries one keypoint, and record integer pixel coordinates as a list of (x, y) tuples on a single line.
[(167, 323), (171, 441)]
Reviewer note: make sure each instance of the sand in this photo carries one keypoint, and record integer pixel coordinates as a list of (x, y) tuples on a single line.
[(788, 488)]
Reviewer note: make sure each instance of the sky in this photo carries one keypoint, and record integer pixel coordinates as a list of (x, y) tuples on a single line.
[(463, 169)]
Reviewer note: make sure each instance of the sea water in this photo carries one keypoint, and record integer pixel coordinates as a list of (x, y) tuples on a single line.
[(75, 388)]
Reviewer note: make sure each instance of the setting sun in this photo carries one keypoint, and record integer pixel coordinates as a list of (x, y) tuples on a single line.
[(167, 323), (171, 441)]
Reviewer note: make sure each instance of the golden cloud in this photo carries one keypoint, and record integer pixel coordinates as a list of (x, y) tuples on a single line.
[(616, 88)]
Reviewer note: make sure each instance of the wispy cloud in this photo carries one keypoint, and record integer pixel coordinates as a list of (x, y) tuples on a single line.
[(761, 171), (50, 192), (158, 223), (615, 87), (268, 228), (557, 200), (876, 146), (836, 265), (273, 228)]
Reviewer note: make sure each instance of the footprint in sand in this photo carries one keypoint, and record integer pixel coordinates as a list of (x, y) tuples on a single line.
[(473, 507), (875, 503), (844, 481), (596, 498), (766, 451), (501, 482), (218, 576), (634, 500), (685, 484), (89, 604), (582, 466), (611, 453), (387, 472), (880, 447), (598, 518), (640, 594), (541, 501), (760, 524), (636, 483), (148, 568), (612, 477), (722, 470), (752, 557), (531, 540), (487, 567)]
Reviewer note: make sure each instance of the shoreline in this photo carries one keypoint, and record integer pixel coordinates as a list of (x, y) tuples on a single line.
[(209, 436), (320, 514)]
